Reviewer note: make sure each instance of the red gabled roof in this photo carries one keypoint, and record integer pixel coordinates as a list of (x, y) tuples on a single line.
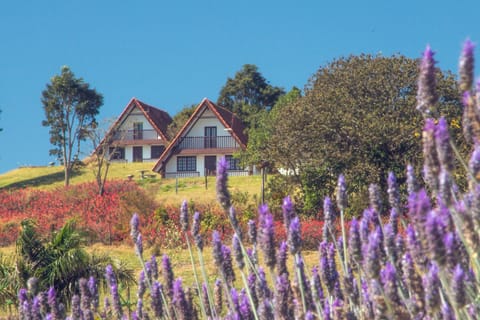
[(158, 118), (231, 122)]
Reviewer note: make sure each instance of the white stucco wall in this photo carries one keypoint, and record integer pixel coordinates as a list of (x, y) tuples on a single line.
[(135, 116), (208, 119)]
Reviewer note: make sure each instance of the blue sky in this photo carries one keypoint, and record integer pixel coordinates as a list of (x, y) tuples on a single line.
[(174, 53)]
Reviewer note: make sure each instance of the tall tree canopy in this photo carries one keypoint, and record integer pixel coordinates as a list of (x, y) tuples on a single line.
[(180, 119), (70, 107), (357, 117), (248, 93)]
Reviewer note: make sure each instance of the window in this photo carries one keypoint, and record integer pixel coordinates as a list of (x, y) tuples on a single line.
[(156, 151), (186, 163), (138, 131), (233, 163), (117, 153)]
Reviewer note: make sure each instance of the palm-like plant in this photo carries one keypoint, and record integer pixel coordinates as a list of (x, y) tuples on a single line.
[(61, 261)]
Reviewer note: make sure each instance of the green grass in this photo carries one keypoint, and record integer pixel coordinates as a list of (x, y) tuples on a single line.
[(167, 191)]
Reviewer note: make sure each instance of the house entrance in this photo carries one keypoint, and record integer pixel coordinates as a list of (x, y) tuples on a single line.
[(210, 165), (137, 154)]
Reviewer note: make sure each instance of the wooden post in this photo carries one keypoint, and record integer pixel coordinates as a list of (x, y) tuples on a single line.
[(206, 181), (176, 184)]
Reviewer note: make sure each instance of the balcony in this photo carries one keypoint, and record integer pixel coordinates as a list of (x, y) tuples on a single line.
[(198, 143), (132, 136)]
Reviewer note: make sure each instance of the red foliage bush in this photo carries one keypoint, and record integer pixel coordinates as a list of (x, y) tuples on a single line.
[(104, 218)]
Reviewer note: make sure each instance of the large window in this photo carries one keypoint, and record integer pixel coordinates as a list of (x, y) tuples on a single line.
[(156, 151), (186, 163), (117, 153), (233, 163)]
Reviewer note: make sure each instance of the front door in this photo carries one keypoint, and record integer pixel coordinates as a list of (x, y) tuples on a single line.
[(137, 154), (210, 165)]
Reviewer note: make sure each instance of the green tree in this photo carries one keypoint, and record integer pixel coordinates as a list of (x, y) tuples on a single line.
[(247, 94), (357, 117), (70, 107)]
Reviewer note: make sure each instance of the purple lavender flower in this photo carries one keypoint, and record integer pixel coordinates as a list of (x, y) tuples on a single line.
[(413, 282), (412, 185), (196, 231), (326, 311), (84, 294), (354, 242), (372, 255), (294, 239), (110, 275), (134, 227), (261, 285), (92, 287), (435, 231), (282, 259), (442, 142), (237, 249), (329, 220), (378, 299), (390, 245), (76, 312), (431, 283), (227, 266), (470, 119), (350, 286), (52, 302), (251, 284), (139, 311), (393, 221), (218, 296), (265, 310), (364, 228), (474, 163), (252, 232), (24, 305), (316, 283), (447, 312), (234, 221), (282, 298), (341, 192), (167, 273), (223, 195), (154, 267), (465, 68), (426, 94), (375, 198), (37, 309), (156, 299), (287, 210), (139, 245), (179, 300), (389, 281), (244, 308), (184, 216), (141, 285), (217, 250), (431, 167), (205, 300), (393, 192), (267, 240), (303, 283), (414, 246), (116, 303), (458, 287)]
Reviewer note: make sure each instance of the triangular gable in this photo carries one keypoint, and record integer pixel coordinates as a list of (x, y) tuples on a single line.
[(229, 120), (158, 119)]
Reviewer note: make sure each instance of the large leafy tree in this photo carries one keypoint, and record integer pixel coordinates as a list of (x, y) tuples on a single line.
[(70, 107), (180, 119), (247, 94), (358, 118)]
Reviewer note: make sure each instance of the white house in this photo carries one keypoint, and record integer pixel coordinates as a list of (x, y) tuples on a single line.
[(210, 133), (139, 134)]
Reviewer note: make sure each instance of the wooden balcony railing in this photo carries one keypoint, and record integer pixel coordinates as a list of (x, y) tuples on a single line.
[(220, 142)]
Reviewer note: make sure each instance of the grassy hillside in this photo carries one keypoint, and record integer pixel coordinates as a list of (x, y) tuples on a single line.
[(165, 190)]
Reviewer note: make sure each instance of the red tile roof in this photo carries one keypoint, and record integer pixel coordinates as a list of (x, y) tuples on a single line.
[(158, 118), (231, 122)]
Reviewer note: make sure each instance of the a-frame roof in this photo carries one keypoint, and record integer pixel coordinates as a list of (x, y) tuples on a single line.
[(159, 119), (231, 122)]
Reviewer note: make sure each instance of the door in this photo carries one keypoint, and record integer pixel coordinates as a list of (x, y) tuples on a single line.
[(138, 131), (210, 137), (137, 154), (210, 165)]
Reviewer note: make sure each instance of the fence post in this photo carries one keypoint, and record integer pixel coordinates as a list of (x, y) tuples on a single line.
[(176, 184), (206, 181)]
